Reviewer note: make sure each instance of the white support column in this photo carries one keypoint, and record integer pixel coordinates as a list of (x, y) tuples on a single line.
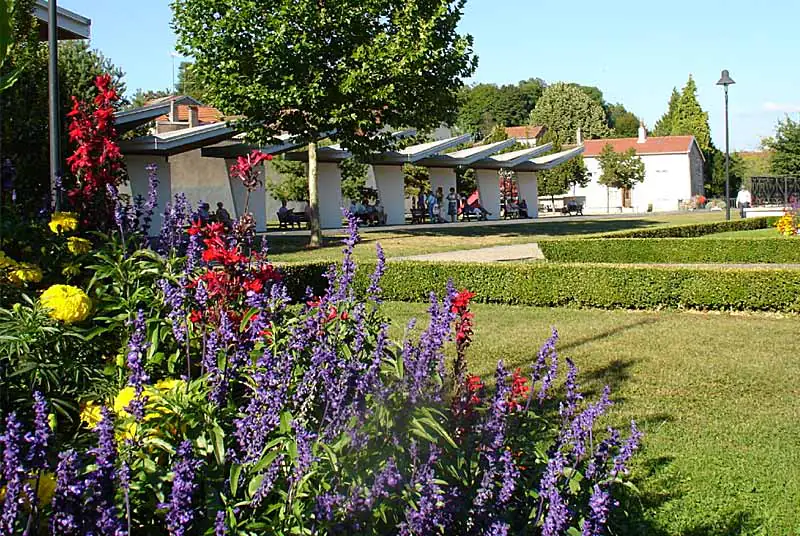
[(330, 195), (529, 191), (391, 189), (442, 177), (256, 205), (489, 190), (139, 184)]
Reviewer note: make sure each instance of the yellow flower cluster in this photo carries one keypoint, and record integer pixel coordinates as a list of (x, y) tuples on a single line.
[(90, 414), (63, 222), (18, 273), (787, 225), (78, 246), (45, 492), (66, 303)]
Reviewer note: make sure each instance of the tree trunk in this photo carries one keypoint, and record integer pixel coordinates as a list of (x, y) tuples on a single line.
[(315, 240)]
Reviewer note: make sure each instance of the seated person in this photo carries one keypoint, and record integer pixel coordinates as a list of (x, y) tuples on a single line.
[(380, 214), (523, 208), (477, 209), (223, 216)]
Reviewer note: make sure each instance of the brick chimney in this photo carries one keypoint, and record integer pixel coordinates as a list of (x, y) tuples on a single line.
[(173, 111), (642, 133), (194, 117)]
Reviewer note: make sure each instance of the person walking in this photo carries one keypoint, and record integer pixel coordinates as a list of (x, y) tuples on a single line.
[(452, 205), (223, 216), (743, 200)]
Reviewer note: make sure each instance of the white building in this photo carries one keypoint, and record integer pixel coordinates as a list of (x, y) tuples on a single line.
[(673, 173)]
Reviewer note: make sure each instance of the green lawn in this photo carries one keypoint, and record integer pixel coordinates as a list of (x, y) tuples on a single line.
[(757, 233), (451, 238), (718, 396)]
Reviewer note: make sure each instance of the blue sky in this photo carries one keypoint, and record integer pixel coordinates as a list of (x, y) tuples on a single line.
[(634, 51)]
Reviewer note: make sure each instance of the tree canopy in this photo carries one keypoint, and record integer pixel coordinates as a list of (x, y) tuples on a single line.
[(664, 125), (620, 170), (484, 106), (563, 108), (188, 83), (346, 71), (785, 147), (623, 123)]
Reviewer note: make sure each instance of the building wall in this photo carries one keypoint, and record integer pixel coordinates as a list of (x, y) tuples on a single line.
[(669, 178), (202, 179)]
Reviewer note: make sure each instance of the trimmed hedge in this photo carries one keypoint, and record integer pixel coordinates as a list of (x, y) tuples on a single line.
[(695, 229), (674, 250), (578, 285)]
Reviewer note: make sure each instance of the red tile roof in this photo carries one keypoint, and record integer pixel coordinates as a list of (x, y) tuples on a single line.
[(653, 145), (206, 114), (525, 132)]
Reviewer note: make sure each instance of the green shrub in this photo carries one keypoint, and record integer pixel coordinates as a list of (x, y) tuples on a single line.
[(673, 250), (695, 229), (581, 285)]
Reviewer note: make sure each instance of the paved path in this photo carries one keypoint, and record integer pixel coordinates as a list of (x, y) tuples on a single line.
[(517, 252)]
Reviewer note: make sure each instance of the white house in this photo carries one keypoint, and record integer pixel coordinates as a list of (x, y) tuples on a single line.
[(673, 173)]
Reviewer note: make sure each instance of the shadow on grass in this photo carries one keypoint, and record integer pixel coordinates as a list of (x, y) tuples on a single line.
[(294, 244), (634, 516)]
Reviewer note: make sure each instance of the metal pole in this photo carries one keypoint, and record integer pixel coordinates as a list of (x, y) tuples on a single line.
[(727, 162), (55, 114)]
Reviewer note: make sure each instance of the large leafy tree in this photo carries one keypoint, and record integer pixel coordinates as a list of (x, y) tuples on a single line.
[(623, 123), (346, 69), (620, 170), (715, 171), (785, 147), (561, 179), (484, 106), (563, 108)]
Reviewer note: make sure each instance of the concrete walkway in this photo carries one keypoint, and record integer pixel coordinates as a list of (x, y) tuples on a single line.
[(516, 252)]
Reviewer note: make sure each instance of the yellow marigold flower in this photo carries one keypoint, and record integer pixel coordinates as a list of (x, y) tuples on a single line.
[(91, 415), (169, 384), (25, 272), (123, 400), (63, 222), (70, 270), (78, 246), (67, 303)]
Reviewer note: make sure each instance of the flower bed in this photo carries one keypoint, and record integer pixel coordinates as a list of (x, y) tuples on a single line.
[(672, 250)]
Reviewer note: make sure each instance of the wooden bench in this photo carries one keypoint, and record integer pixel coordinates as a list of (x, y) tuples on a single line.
[(418, 215), (290, 219), (571, 209), (510, 213)]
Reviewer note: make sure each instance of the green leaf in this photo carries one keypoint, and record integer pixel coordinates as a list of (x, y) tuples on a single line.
[(236, 471)]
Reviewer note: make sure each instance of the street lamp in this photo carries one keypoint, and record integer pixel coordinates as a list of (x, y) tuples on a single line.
[(726, 81)]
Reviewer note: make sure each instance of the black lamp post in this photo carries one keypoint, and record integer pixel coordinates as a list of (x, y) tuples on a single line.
[(726, 81), (55, 113)]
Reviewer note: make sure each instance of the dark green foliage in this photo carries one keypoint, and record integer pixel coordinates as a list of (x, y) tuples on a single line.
[(484, 106), (558, 285), (188, 83), (695, 229), (715, 173), (786, 148), (674, 250), (354, 178), (293, 184), (416, 179), (623, 123)]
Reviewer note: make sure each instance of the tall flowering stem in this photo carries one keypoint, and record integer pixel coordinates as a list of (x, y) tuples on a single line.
[(180, 508), (246, 170), (96, 161), (463, 327), (137, 376)]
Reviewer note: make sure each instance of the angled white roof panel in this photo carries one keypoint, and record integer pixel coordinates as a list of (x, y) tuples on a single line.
[(466, 157), (178, 141), (70, 24), (135, 117), (416, 153), (512, 160), (556, 159)]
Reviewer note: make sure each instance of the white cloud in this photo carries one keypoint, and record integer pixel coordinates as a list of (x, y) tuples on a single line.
[(780, 107)]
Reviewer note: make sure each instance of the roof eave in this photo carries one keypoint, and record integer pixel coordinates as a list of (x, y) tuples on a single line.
[(71, 26)]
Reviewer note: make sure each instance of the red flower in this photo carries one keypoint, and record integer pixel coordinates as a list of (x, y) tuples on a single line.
[(196, 317), (254, 285), (461, 301), (519, 391), (332, 314), (344, 315)]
